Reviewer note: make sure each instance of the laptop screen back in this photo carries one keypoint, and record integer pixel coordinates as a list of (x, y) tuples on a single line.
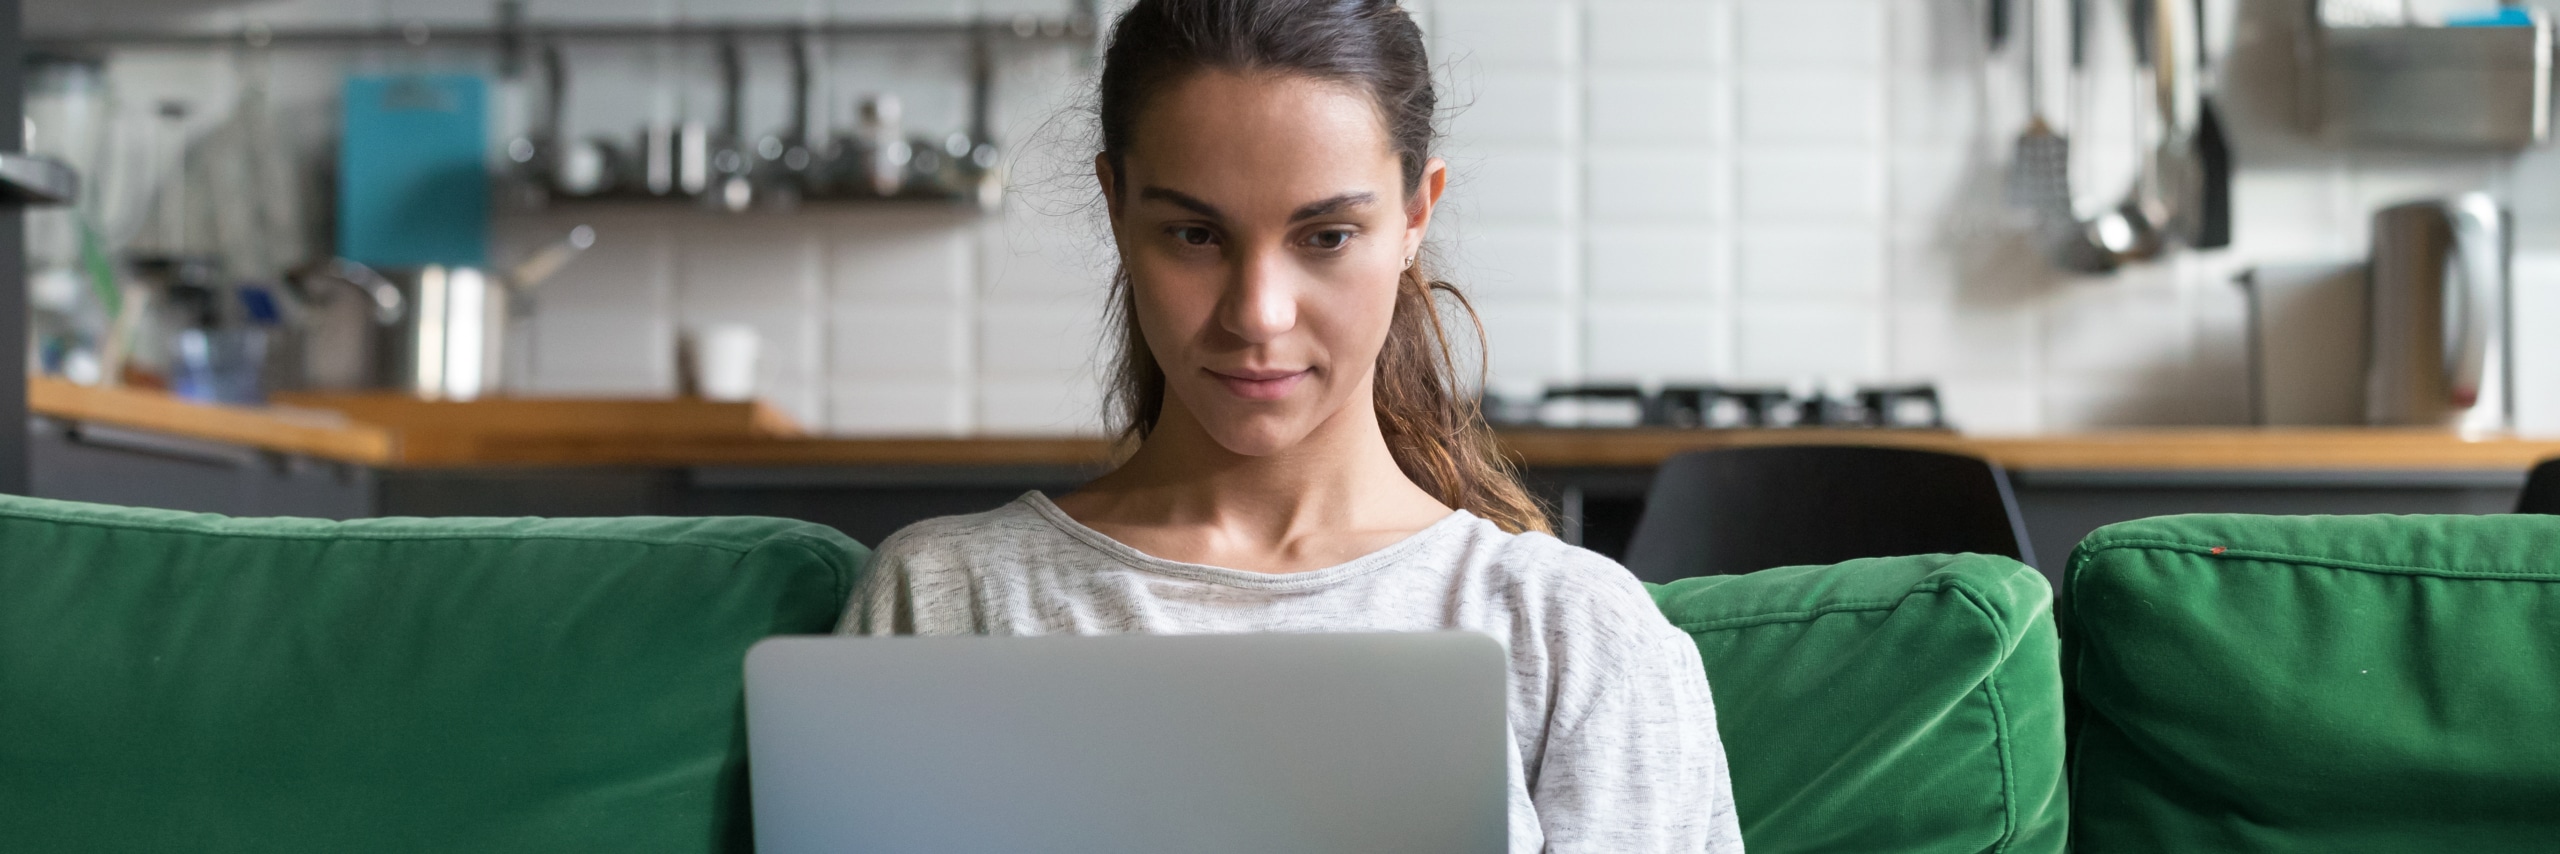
[(1139, 744)]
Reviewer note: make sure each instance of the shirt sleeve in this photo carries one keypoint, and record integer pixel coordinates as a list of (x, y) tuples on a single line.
[(881, 604), (1638, 766)]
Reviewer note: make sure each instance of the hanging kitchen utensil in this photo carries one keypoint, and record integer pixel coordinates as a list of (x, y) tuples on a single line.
[(584, 168), (2132, 230), (2213, 150), (2076, 244), (986, 163), (533, 154), (2213, 155), (882, 144), (2040, 166), (731, 186), (784, 162), (655, 171), (689, 141), (2171, 46)]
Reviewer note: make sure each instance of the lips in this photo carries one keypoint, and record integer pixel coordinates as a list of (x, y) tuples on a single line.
[(1261, 384)]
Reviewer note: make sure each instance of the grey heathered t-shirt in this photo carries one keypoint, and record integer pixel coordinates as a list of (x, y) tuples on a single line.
[(1614, 745)]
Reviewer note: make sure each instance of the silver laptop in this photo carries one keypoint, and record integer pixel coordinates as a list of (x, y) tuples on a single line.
[(1141, 744)]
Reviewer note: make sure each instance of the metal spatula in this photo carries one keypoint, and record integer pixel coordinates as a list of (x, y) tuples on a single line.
[(2040, 167), (2040, 170)]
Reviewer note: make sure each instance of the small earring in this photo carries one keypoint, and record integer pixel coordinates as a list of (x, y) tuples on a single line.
[(1408, 262)]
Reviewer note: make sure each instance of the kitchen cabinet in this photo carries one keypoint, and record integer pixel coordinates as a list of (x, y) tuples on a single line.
[(105, 464)]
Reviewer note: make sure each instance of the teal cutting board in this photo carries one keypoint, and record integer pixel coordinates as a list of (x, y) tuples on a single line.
[(413, 187)]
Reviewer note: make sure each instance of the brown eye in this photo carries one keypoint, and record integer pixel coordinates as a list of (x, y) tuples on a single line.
[(1192, 235), (1329, 240)]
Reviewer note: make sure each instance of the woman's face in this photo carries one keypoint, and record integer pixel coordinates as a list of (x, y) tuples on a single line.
[(1263, 222)]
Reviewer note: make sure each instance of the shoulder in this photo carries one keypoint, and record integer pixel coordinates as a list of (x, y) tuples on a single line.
[(1570, 590), (952, 542)]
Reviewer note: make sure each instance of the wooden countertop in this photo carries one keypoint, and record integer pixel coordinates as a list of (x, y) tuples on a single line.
[(2192, 449), (315, 433), (401, 433)]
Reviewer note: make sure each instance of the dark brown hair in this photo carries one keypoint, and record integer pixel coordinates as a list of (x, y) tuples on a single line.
[(1435, 430)]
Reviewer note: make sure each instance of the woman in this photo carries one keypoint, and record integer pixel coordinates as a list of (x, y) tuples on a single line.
[(1305, 458)]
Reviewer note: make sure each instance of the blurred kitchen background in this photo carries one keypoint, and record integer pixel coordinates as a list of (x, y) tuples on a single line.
[(2048, 220), (1764, 193)]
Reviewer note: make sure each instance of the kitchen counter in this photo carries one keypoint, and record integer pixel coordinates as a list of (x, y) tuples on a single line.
[(341, 456), (319, 434), (399, 433)]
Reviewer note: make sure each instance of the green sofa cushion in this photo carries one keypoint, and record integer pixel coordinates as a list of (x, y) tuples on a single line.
[(2331, 684), (1895, 704), (181, 682)]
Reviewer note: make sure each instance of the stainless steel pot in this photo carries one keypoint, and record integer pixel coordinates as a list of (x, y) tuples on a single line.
[(436, 332)]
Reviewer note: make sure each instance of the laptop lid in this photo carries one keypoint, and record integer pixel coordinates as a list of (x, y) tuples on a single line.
[(1145, 744)]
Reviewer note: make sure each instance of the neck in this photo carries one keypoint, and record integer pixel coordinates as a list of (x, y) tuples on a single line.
[(1339, 477)]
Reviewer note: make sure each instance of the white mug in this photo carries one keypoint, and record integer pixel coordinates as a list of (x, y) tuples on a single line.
[(724, 361)]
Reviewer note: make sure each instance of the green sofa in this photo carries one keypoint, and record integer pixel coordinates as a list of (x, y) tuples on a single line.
[(1895, 704), (2230, 683), (2345, 684), (177, 682)]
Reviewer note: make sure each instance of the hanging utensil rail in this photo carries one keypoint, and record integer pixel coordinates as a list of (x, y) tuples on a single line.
[(1078, 27)]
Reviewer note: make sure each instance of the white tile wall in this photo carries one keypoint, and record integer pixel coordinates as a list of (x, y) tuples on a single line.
[(1757, 190), (1796, 261), (1515, 108), (1667, 261), (1656, 340), (1513, 34), (1790, 105), (1785, 341), (1812, 183), (1502, 261), (1657, 184), (1682, 107), (1658, 35), (1518, 185), (1814, 33), (1526, 340)]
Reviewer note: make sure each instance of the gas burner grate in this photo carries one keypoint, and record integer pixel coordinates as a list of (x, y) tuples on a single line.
[(1721, 407)]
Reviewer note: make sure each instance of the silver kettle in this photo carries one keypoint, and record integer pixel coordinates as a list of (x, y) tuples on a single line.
[(2437, 344)]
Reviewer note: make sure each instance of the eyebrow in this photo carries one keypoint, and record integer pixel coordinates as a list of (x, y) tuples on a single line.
[(1311, 210), (1333, 205), (1179, 198)]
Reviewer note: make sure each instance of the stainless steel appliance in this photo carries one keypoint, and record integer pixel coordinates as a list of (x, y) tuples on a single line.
[(2307, 333), (2437, 349), (2482, 84), (439, 333)]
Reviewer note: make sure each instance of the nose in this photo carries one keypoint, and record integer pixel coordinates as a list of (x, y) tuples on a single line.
[(1262, 302)]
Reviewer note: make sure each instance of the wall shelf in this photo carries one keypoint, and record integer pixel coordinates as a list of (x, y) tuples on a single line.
[(1078, 27)]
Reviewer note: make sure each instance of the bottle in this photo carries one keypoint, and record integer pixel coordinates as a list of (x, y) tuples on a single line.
[(884, 144)]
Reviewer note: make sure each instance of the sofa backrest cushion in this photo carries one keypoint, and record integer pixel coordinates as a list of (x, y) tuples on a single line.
[(1892, 704), (2334, 684), (181, 682)]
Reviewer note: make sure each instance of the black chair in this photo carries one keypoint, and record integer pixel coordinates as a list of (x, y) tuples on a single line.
[(1729, 512), (2542, 489)]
